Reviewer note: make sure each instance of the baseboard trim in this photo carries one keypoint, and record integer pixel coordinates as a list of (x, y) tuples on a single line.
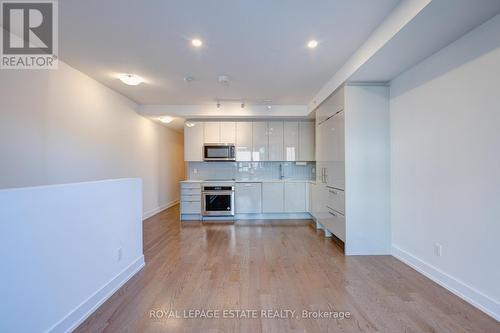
[(274, 216), (457, 287), (73, 319), (159, 209)]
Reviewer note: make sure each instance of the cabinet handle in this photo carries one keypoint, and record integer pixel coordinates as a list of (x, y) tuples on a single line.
[(333, 214)]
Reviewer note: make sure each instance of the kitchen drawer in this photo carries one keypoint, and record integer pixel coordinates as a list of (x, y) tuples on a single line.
[(335, 223), (190, 207), (191, 198), (336, 200), (190, 191), (190, 185)]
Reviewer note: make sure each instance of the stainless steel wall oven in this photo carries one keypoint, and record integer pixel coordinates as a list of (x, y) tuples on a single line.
[(217, 199)]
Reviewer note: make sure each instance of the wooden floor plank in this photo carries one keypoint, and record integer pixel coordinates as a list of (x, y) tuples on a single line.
[(275, 265)]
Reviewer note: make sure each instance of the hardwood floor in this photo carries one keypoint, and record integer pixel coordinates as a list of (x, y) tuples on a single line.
[(283, 265)]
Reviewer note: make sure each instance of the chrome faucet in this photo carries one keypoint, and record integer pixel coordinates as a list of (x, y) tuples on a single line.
[(282, 171)]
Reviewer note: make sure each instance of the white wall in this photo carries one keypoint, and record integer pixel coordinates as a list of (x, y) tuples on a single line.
[(445, 166), (59, 248), (367, 166), (61, 126)]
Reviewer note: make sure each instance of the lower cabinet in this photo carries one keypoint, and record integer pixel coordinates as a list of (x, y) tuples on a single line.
[(335, 223), (328, 209), (336, 200), (295, 198), (190, 198), (273, 197), (190, 207), (248, 198)]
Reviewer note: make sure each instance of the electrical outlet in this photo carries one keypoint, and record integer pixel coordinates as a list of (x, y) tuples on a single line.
[(195, 171), (119, 254), (438, 250)]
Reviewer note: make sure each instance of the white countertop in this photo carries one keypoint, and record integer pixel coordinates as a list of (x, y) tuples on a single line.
[(250, 181)]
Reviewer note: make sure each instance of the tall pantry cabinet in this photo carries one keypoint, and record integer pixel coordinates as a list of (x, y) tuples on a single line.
[(351, 194)]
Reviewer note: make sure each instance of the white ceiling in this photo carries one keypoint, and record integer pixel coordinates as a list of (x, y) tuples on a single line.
[(436, 26), (259, 44)]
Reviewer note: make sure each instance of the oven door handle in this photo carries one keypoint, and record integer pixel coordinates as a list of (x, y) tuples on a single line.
[(218, 192)]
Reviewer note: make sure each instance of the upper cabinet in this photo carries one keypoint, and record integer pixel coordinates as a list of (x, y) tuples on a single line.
[(212, 132), (273, 140), (244, 141), (291, 140), (260, 141), (193, 141), (227, 132), (220, 132), (275, 134), (306, 141)]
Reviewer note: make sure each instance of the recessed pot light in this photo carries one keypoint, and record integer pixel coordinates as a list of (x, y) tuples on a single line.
[(312, 44), (196, 42), (130, 79), (166, 119)]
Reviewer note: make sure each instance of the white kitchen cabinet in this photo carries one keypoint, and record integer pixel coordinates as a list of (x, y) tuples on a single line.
[(275, 135), (244, 141), (336, 200), (291, 140), (335, 223), (273, 197), (190, 207), (335, 157), (190, 198), (312, 198), (363, 144), (295, 197), (260, 141), (306, 141), (193, 141), (248, 198), (212, 132), (227, 132)]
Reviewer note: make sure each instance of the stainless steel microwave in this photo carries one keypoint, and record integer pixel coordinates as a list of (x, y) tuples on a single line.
[(219, 152)]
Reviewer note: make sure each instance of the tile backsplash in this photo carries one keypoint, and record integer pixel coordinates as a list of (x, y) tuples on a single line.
[(250, 170)]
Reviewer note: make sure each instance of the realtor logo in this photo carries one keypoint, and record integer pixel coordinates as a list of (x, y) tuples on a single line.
[(29, 34)]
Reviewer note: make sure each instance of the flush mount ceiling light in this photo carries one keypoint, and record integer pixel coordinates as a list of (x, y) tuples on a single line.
[(312, 44), (223, 79), (166, 119), (196, 42), (130, 79)]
